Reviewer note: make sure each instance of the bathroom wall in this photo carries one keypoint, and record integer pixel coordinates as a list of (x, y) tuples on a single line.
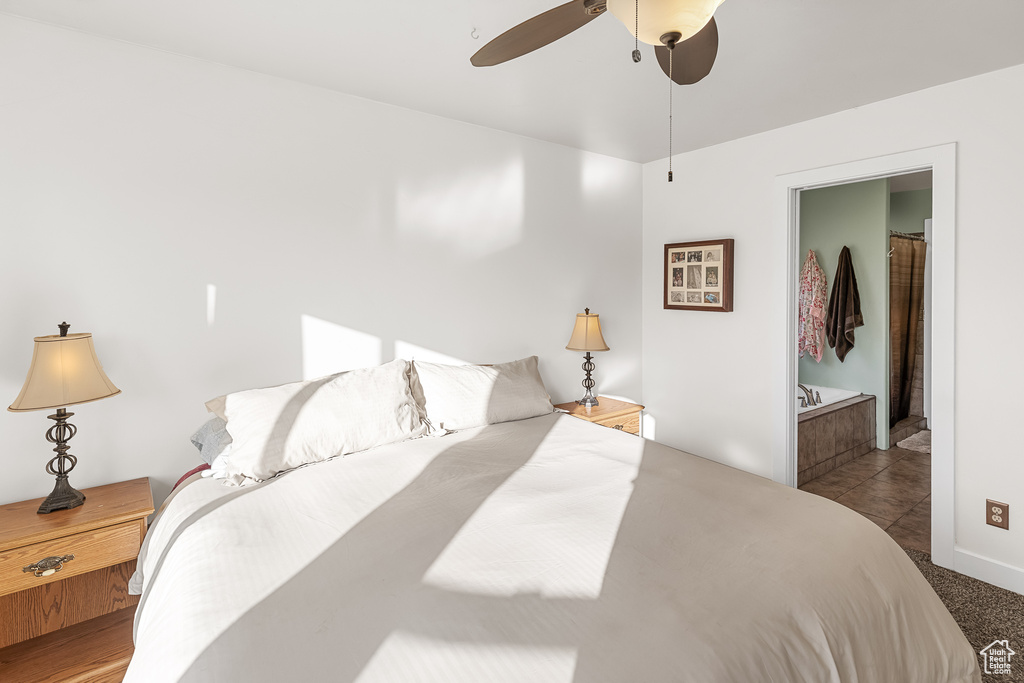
[(856, 216), (908, 210)]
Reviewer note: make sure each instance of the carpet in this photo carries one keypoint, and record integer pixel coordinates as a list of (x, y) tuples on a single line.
[(920, 442), (984, 612)]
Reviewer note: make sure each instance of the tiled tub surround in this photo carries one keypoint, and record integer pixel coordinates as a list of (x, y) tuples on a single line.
[(834, 435)]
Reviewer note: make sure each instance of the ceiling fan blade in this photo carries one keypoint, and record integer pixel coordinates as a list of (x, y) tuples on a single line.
[(693, 57), (534, 33)]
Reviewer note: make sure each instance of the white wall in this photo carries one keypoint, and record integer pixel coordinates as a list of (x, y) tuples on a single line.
[(334, 230), (707, 376)]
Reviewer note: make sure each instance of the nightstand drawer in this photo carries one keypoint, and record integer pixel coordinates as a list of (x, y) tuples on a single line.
[(627, 423), (92, 550)]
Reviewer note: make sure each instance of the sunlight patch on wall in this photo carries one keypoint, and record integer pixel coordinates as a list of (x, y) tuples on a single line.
[(475, 212), (412, 352), (600, 175), (328, 348), (649, 426), (211, 304)]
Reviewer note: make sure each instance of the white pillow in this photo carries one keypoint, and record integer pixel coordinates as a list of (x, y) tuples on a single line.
[(463, 396), (283, 427)]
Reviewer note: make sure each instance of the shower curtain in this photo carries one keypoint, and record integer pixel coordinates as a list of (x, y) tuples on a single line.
[(906, 295)]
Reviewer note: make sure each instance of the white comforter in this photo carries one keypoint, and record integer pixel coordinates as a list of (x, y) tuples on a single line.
[(546, 550)]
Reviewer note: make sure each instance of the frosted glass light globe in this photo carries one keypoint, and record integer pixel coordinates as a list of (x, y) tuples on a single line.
[(658, 17)]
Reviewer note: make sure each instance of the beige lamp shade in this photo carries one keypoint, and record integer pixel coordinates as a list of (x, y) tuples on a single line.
[(586, 334), (655, 18), (64, 371)]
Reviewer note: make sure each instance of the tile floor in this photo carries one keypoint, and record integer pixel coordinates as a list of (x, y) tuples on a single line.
[(891, 488)]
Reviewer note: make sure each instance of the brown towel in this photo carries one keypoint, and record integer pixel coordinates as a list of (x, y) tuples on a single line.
[(843, 307)]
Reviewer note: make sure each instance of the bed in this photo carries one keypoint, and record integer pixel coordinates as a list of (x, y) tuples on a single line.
[(543, 549)]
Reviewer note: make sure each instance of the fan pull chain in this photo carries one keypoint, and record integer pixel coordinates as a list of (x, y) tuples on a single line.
[(670, 82), (636, 31)]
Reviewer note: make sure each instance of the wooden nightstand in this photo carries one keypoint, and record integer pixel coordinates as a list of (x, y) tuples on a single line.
[(609, 413), (74, 624)]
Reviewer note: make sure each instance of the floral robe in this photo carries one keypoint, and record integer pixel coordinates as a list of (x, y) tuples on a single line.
[(812, 308)]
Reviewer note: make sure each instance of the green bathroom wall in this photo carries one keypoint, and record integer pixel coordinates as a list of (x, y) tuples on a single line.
[(857, 216), (908, 210)]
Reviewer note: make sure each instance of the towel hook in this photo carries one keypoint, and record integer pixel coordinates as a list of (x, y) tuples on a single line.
[(889, 255)]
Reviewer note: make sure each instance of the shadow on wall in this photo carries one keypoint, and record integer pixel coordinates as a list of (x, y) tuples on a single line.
[(428, 253)]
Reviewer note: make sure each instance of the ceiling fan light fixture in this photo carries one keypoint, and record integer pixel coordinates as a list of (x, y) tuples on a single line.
[(658, 17)]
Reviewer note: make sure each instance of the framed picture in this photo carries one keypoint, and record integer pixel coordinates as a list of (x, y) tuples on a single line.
[(698, 276)]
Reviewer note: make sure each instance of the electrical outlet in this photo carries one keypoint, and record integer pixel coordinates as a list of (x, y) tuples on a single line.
[(997, 514)]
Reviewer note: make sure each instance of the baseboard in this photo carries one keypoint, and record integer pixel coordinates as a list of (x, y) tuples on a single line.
[(988, 570)]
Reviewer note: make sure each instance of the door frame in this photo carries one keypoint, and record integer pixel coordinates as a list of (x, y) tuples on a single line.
[(928, 316), (941, 160)]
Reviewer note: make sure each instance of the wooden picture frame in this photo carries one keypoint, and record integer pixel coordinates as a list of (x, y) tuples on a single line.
[(698, 276)]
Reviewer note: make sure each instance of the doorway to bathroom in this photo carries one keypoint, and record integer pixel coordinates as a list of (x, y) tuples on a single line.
[(938, 329), (862, 437)]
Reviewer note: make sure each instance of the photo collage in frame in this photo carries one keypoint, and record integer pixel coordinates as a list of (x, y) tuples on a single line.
[(698, 275)]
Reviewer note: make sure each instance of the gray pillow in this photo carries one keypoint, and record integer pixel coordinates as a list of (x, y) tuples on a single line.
[(211, 439)]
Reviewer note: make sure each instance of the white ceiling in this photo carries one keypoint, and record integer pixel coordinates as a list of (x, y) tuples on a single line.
[(780, 61)]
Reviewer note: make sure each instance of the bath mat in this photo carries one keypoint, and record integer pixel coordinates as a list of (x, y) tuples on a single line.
[(920, 442)]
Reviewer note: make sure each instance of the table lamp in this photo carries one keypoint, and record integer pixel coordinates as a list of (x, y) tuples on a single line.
[(586, 336), (64, 371)]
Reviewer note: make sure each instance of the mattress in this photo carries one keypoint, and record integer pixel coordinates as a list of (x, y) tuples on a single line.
[(548, 549)]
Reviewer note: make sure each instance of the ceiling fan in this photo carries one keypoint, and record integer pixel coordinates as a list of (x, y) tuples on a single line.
[(683, 32)]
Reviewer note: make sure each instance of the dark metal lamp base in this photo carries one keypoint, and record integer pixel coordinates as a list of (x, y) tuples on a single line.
[(63, 497), (588, 400)]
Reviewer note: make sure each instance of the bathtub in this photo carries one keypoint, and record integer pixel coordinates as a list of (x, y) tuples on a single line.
[(834, 432), (828, 396)]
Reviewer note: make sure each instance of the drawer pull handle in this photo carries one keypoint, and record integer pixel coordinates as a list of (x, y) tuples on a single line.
[(618, 427), (48, 565)]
